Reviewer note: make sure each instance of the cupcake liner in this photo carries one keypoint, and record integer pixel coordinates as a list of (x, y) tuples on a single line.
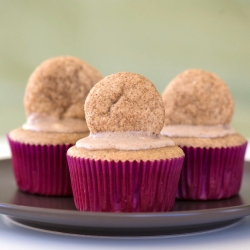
[(109, 186), (211, 173), (41, 169)]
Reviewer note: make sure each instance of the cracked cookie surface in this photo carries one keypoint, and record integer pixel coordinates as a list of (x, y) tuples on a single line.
[(59, 87), (124, 102), (197, 97)]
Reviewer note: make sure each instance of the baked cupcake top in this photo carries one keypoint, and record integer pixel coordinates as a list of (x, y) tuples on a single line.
[(197, 104), (124, 111), (55, 95)]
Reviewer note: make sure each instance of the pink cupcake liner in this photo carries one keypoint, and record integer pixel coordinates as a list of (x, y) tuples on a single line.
[(211, 173), (109, 186), (41, 169)]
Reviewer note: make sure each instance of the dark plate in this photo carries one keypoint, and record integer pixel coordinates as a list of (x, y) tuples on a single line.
[(60, 214)]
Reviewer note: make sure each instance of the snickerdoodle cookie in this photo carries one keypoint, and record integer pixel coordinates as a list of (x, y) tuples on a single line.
[(197, 97), (59, 87), (117, 103)]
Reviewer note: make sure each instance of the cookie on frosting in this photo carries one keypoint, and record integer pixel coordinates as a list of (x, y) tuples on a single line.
[(197, 97), (124, 102), (59, 86)]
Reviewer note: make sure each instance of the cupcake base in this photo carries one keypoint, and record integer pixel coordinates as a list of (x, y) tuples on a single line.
[(109, 186), (41, 169), (211, 173)]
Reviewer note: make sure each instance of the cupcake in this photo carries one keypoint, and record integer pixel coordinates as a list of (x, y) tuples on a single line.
[(198, 111), (124, 165), (54, 100)]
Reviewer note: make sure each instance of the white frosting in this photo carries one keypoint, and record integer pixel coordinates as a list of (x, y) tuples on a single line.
[(44, 123), (129, 140), (197, 131)]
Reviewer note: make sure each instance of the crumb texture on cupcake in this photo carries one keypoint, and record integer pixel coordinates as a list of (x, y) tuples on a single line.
[(124, 102), (197, 97), (122, 155), (45, 138), (59, 86), (232, 140)]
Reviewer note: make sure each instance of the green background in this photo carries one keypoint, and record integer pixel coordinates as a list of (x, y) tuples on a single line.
[(157, 39)]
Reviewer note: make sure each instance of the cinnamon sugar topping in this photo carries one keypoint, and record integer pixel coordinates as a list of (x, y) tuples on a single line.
[(197, 97)]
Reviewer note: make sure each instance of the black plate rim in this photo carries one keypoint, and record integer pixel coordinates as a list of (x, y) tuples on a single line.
[(121, 215), (134, 220)]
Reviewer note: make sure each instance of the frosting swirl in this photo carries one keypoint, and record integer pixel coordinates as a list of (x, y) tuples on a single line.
[(199, 131), (45, 123), (129, 140)]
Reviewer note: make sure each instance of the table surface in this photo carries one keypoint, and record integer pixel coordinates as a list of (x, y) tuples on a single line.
[(14, 236)]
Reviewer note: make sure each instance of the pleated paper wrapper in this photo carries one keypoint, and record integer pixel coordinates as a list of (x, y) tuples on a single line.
[(41, 169), (109, 186), (211, 173)]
